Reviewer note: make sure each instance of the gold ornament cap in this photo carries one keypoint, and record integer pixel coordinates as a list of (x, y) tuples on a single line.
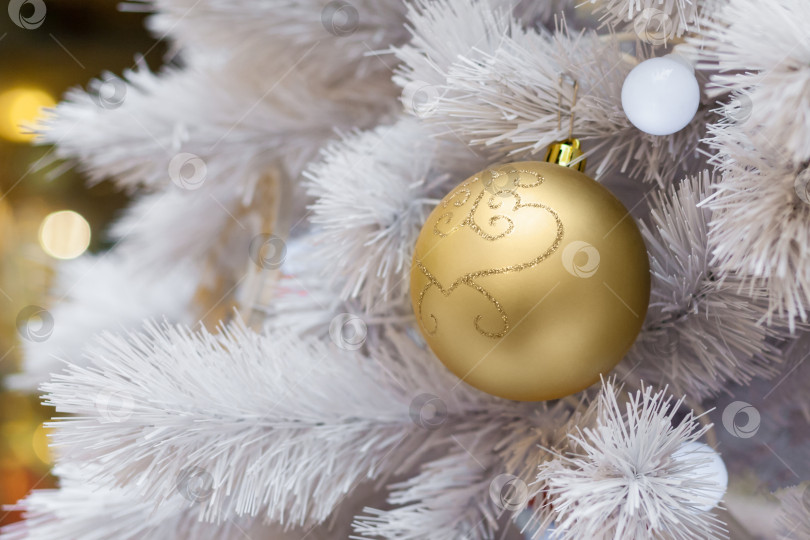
[(565, 152)]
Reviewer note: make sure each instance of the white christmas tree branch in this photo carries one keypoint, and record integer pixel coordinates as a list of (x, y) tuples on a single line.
[(662, 19), (760, 218), (448, 499), (209, 227), (254, 412), (96, 293), (474, 490), (81, 508), (773, 75), (619, 478), (206, 124), (373, 191), (339, 35), (169, 432), (703, 329), (761, 209), (92, 511), (481, 77)]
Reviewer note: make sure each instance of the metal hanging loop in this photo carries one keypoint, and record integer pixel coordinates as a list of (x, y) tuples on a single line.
[(566, 153)]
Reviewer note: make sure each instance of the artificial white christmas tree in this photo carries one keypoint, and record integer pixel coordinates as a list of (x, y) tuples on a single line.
[(245, 360)]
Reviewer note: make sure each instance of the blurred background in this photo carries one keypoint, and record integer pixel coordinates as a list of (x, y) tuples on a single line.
[(46, 217)]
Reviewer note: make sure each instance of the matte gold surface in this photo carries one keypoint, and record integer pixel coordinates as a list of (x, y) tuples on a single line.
[(529, 280)]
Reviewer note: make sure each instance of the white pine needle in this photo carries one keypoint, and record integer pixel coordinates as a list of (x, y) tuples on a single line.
[(703, 329), (448, 499), (284, 428), (238, 123), (794, 518), (84, 509), (762, 146), (670, 18), (482, 483), (496, 86), (619, 479), (220, 240), (97, 293), (760, 225), (337, 35), (373, 191), (255, 412), (765, 53)]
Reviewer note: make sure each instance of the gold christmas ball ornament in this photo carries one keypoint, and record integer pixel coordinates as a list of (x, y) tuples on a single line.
[(530, 279)]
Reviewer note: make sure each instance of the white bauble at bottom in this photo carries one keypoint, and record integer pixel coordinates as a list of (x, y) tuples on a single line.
[(712, 470)]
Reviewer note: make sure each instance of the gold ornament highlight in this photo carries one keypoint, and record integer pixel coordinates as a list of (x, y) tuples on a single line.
[(530, 279)]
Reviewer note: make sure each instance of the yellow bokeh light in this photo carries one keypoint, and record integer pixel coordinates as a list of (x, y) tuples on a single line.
[(20, 107), (40, 443), (64, 234), (17, 438)]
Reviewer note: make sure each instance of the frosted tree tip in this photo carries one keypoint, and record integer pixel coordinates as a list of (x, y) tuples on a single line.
[(630, 473)]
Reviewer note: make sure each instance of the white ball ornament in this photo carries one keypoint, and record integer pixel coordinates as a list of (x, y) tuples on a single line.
[(661, 95), (711, 470)]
